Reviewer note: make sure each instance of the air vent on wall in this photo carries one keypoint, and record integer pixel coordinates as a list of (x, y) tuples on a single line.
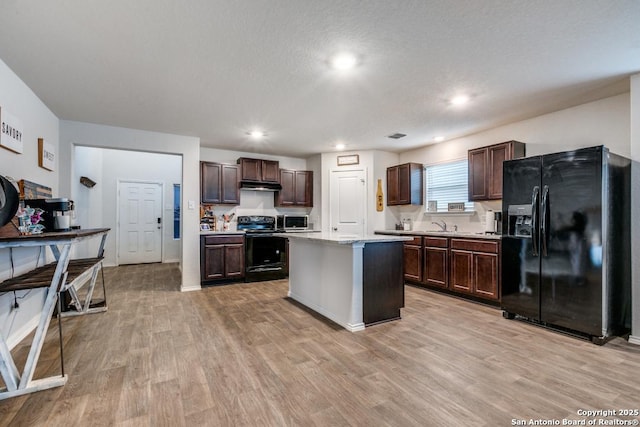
[(397, 135)]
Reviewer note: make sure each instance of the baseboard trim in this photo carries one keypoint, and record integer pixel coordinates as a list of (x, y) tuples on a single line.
[(634, 339), (190, 288)]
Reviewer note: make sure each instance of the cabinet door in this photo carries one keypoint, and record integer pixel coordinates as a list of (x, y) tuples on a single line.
[(461, 278), (230, 192), (436, 267), (270, 171), (234, 261), (392, 186), (210, 182), (485, 271), (497, 155), (251, 169), (404, 185), (304, 188), (413, 263), (214, 267), (287, 195), (478, 174)]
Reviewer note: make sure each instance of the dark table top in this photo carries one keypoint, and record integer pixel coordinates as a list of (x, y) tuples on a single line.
[(54, 236)]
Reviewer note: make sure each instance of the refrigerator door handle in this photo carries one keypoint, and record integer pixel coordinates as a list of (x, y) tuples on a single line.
[(544, 227), (535, 195)]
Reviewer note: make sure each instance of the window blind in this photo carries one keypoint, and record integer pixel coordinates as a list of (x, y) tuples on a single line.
[(447, 183)]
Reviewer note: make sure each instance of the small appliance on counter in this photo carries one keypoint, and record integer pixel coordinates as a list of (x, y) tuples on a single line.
[(493, 222), (292, 222), (57, 213)]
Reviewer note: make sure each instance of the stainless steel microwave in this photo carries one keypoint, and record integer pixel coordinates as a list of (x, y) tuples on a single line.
[(292, 222)]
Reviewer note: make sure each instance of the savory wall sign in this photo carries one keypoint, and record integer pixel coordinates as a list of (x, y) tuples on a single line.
[(11, 133)]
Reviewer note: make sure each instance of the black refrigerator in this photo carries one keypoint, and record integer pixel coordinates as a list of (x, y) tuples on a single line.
[(566, 249)]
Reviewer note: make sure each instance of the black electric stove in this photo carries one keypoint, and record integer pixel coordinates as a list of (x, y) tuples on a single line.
[(265, 254)]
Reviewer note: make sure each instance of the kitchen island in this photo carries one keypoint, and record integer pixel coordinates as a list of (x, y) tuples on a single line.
[(356, 281)]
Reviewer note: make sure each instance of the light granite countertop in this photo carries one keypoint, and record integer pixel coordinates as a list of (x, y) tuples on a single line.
[(456, 234), (344, 238)]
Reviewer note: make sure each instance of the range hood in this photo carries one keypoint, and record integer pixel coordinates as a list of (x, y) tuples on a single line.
[(260, 186)]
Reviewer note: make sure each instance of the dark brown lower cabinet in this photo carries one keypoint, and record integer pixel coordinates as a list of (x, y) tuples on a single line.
[(461, 265), (413, 259), (436, 262), (461, 271), (474, 267), (221, 257), (485, 268), (382, 284)]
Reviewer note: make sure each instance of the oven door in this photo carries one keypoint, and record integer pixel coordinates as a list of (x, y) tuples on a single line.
[(265, 257)]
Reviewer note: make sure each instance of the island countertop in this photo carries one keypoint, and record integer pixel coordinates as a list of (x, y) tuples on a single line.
[(345, 238)]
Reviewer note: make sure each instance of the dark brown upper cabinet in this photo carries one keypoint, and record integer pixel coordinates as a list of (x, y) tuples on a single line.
[(297, 188), (485, 168), (219, 183), (259, 170), (405, 184)]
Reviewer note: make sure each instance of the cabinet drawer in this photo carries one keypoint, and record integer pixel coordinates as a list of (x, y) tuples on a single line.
[(438, 242), (417, 241), (223, 240), (475, 245)]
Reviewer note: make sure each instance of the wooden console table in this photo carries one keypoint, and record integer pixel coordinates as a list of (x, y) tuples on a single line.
[(62, 275)]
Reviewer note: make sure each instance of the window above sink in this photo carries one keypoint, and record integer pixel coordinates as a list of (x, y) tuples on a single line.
[(447, 183)]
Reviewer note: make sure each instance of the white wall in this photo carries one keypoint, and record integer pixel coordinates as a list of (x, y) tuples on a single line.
[(38, 122), (97, 206), (375, 164), (254, 202), (91, 135), (635, 207), (604, 122)]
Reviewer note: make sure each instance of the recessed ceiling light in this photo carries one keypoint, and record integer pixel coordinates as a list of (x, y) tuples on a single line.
[(340, 146), (344, 61), (438, 138), (256, 134), (460, 100)]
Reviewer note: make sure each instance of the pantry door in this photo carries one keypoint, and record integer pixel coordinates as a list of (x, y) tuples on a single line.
[(347, 202), (139, 222)]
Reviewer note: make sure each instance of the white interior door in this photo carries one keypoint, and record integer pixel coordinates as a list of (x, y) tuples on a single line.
[(140, 226), (347, 193)]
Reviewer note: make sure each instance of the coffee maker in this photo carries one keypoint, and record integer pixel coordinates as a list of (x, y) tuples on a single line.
[(57, 213)]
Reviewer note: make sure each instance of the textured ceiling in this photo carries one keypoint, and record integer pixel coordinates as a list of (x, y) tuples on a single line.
[(217, 69)]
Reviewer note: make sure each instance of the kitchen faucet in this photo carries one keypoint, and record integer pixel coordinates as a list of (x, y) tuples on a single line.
[(443, 226)]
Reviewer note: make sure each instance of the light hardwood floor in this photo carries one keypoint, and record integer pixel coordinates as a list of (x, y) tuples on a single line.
[(245, 355)]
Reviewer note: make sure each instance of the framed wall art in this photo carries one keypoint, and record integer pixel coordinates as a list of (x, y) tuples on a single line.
[(352, 159), (46, 155), (11, 132)]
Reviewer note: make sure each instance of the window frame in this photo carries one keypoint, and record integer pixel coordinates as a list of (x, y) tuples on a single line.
[(442, 207)]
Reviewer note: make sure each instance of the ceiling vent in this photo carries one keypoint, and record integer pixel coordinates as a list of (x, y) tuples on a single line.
[(397, 135)]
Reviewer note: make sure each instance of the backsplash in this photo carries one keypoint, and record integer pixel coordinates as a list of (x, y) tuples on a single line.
[(421, 220), (255, 203)]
